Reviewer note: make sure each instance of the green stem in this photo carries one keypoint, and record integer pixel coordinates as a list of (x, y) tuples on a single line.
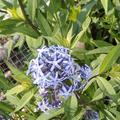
[(27, 18), (3, 11), (29, 21)]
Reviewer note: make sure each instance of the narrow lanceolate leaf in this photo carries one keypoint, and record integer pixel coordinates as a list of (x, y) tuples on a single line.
[(107, 5), (105, 86), (4, 83), (99, 50), (79, 116), (70, 107), (18, 75), (43, 24), (15, 90), (81, 33), (98, 95), (88, 85), (5, 107), (110, 59), (85, 12), (10, 46), (109, 115), (25, 99), (13, 99), (51, 114), (32, 6)]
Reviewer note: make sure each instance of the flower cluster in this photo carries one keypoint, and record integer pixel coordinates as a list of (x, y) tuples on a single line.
[(56, 75), (91, 115)]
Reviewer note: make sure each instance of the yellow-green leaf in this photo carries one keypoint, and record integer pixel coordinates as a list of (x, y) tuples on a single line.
[(110, 59), (25, 99)]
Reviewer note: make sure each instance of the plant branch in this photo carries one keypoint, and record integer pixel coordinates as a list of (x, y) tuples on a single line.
[(27, 18), (29, 21), (3, 11)]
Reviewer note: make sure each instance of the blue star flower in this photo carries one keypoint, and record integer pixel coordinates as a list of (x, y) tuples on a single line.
[(52, 70), (91, 115), (85, 72)]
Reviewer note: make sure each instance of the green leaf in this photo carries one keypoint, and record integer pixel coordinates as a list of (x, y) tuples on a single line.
[(51, 114), (83, 14), (79, 116), (110, 59), (34, 43), (88, 85), (4, 84), (97, 95), (32, 6), (9, 47), (15, 90), (10, 26), (19, 75), (5, 107), (115, 72), (105, 86), (70, 107), (85, 11), (20, 42), (99, 50), (101, 43), (13, 99), (8, 23), (81, 33), (25, 99), (26, 30), (109, 115), (7, 4), (107, 5), (43, 24)]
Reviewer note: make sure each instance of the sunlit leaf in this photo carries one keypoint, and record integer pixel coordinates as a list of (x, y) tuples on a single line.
[(105, 86), (110, 59), (25, 99), (51, 114)]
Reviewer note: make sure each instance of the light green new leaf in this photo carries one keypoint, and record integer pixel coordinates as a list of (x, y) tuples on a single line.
[(110, 59), (13, 99), (105, 86), (15, 90), (25, 99), (51, 114)]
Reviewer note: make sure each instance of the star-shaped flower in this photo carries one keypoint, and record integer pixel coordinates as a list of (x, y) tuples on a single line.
[(55, 63)]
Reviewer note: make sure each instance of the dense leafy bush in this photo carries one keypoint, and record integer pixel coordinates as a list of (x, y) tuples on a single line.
[(90, 30)]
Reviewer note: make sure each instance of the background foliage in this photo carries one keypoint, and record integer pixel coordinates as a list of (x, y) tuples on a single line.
[(90, 28)]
